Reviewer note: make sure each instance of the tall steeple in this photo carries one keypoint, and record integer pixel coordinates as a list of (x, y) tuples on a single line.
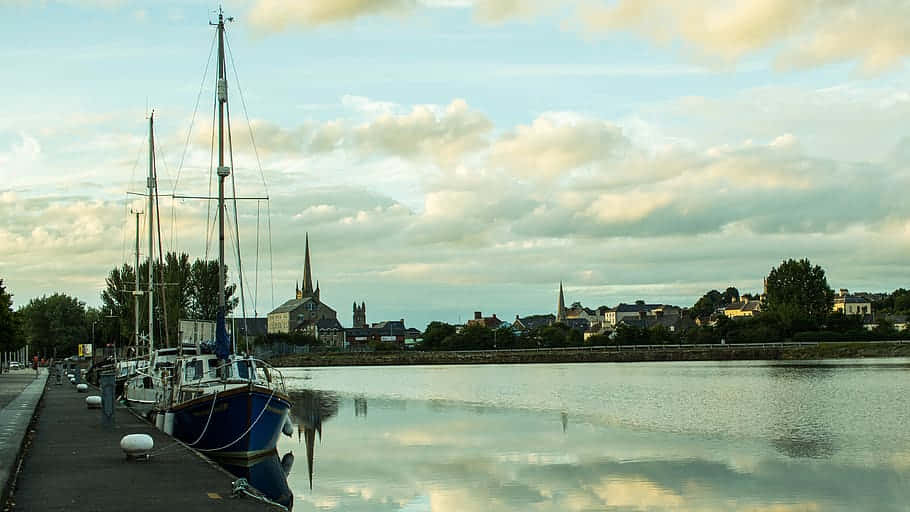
[(561, 306), (307, 273)]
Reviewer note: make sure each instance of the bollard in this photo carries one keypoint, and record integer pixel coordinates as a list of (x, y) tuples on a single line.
[(107, 399)]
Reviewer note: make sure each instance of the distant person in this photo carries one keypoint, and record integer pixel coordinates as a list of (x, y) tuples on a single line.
[(35, 366)]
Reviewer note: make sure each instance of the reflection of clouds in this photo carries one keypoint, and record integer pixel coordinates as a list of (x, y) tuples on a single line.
[(636, 494), (421, 456)]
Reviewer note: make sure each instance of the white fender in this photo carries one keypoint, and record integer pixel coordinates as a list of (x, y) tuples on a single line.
[(135, 445)]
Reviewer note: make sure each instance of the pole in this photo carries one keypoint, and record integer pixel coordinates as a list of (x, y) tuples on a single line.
[(223, 171), (152, 186), (136, 292)]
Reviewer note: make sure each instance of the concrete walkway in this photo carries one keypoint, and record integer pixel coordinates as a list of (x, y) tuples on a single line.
[(20, 392), (75, 463)]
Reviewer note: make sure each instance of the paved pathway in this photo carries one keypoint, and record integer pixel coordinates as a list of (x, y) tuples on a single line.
[(13, 382), (75, 463)]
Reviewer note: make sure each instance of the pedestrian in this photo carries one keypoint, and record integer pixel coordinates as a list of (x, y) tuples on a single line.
[(35, 365)]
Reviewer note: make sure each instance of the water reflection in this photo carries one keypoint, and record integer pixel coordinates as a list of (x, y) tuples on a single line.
[(790, 441), (309, 409), (267, 474)]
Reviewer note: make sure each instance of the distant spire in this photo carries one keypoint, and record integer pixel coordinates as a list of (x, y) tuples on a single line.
[(561, 306), (307, 273)]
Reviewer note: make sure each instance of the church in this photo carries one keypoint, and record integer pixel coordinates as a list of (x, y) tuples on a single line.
[(305, 312)]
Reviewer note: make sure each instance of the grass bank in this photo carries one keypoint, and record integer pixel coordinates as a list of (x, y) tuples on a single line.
[(608, 355)]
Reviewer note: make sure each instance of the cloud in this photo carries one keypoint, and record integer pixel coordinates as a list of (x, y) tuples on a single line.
[(803, 34), (277, 15), (799, 33), (442, 135)]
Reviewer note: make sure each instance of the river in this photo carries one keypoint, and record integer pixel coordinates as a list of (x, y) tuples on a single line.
[(700, 436)]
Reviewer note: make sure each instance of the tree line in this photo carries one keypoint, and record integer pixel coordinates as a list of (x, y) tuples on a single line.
[(53, 325), (797, 305)]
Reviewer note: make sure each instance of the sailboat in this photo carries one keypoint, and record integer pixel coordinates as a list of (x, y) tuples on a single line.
[(222, 403)]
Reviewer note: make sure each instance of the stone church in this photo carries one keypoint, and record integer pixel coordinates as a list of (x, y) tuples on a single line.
[(305, 312)]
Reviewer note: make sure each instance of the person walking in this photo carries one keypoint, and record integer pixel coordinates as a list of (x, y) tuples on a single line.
[(35, 365)]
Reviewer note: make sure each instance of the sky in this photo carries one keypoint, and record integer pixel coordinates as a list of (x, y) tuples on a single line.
[(452, 156)]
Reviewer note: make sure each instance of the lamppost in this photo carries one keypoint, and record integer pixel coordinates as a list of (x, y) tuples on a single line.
[(93, 337)]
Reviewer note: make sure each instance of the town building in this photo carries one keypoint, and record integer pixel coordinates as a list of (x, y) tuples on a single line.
[(849, 304), (528, 323), (490, 322), (390, 331), (306, 312), (743, 308), (561, 307), (360, 315), (613, 316)]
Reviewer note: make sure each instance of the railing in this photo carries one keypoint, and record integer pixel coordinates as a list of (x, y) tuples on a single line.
[(676, 346)]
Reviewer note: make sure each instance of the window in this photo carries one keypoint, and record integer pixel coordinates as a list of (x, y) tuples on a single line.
[(243, 370), (193, 370), (213, 367)]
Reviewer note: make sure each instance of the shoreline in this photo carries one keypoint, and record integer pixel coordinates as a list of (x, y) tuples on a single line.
[(761, 352)]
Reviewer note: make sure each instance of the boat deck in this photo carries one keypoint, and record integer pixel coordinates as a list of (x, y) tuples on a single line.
[(75, 463)]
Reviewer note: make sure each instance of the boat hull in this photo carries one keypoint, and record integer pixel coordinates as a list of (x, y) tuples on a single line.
[(245, 421)]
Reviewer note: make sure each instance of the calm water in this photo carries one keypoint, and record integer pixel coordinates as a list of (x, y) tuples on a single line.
[(830, 435)]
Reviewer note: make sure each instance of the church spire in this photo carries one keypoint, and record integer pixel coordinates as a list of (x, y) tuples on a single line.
[(307, 273), (561, 306)]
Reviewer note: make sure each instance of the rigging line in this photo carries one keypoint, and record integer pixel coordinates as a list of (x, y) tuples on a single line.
[(157, 213), (236, 226), (189, 130), (247, 116), (167, 335), (271, 271), (208, 206), (256, 271), (127, 202)]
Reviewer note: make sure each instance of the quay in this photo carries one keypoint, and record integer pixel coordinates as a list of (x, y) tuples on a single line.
[(70, 461)]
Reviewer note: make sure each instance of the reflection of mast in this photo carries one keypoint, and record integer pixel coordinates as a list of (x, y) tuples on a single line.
[(312, 408), (360, 406), (310, 437), (565, 420)]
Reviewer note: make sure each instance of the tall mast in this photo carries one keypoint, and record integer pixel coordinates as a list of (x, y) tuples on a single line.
[(152, 186), (223, 171)]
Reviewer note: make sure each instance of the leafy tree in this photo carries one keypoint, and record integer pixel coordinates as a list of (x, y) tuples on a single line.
[(435, 334), (10, 333), (707, 304), (204, 286), (117, 301), (55, 325), (798, 295)]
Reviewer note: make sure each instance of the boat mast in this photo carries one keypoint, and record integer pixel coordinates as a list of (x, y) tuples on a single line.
[(223, 171), (152, 186)]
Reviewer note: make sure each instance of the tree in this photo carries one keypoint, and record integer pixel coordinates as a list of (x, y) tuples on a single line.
[(435, 334), (55, 325), (10, 333), (707, 304), (204, 286), (798, 295)]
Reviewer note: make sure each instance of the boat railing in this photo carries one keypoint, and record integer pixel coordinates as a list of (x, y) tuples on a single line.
[(226, 374)]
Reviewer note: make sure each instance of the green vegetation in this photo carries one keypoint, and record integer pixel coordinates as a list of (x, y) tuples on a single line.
[(183, 291), (11, 337)]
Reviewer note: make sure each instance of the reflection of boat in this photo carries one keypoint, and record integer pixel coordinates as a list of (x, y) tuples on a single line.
[(311, 408), (223, 403), (267, 475)]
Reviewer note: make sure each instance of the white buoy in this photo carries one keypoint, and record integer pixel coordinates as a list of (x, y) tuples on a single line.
[(82, 388), (288, 428), (136, 445), (93, 402)]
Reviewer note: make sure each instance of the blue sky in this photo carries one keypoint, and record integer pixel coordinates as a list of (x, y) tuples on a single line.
[(453, 156)]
